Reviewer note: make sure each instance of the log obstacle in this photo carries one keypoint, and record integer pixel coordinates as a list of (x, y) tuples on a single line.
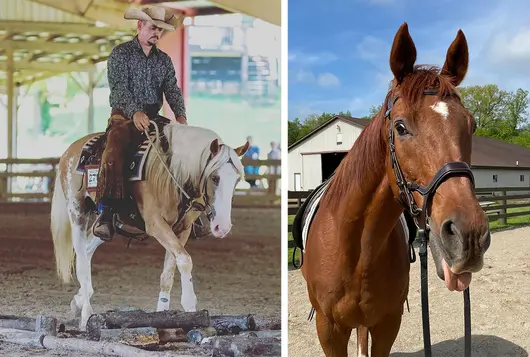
[(233, 346), (41, 323), (139, 318), (139, 333)]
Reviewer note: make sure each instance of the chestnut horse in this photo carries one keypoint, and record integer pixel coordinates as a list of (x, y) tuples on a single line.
[(196, 165), (414, 153)]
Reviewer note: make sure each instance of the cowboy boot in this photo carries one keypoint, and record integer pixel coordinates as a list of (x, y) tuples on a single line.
[(103, 227)]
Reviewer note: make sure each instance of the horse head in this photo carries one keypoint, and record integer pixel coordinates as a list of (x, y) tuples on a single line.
[(223, 171), (428, 127)]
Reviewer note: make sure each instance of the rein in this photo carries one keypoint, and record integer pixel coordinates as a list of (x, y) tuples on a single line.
[(406, 189), (192, 202)]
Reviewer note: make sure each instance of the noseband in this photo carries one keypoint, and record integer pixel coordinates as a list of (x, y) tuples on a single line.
[(208, 208), (406, 198)]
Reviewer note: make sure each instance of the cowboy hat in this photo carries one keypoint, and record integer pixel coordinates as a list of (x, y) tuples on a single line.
[(158, 15)]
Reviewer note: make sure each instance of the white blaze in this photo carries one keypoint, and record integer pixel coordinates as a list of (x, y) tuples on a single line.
[(221, 222), (441, 108)]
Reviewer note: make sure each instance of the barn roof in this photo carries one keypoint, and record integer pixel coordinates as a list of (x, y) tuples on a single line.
[(487, 152)]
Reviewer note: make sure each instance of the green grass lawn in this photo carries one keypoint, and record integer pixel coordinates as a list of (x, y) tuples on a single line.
[(512, 222)]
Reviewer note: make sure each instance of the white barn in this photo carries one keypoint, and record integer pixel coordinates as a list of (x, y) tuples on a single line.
[(313, 158)]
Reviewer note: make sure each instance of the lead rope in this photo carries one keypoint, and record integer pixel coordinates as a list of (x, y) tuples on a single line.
[(425, 303), (160, 157)]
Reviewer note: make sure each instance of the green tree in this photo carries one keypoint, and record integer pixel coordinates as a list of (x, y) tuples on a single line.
[(374, 109), (499, 114)]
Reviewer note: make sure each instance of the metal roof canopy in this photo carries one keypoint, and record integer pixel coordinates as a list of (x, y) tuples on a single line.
[(48, 37), (43, 38)]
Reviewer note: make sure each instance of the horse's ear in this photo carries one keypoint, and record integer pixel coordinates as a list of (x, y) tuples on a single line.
[(214, 147), (403, 53), (457, 59), (240, 151)]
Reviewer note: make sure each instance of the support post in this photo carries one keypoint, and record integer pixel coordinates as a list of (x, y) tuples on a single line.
[(90, 92), (11, 116)]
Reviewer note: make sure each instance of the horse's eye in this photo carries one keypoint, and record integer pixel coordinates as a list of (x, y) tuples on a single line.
[(215, 180), (401, 128)]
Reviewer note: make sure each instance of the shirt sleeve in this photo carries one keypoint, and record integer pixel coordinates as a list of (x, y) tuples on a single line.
[(120, 96), (174, 96)]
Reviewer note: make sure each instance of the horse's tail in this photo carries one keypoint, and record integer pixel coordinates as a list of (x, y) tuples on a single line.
[(61, 234)]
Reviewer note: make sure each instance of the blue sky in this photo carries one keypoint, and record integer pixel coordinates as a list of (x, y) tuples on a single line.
[(339, 49)]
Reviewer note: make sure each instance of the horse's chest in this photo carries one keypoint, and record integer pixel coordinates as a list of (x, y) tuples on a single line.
[(372, 296)]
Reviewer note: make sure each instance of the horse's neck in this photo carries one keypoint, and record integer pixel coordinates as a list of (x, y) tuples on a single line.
[(368, 216)]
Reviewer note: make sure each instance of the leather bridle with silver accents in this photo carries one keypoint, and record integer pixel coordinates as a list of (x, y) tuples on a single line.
[(406, 198)]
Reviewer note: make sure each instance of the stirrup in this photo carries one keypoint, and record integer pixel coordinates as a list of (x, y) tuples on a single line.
[(110, 225)]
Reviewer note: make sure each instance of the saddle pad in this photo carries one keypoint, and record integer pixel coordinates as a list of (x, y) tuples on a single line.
[(305, 214), (134, 165)]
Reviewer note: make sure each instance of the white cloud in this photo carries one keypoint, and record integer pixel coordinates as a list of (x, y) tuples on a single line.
[(325, 79), (375, 51), (304, 76), (328, 80), (512, 51), (307, 59)]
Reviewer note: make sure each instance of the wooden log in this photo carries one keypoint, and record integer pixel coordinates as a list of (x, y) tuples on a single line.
[(17, 322), (268, 322), (232, 325), (234, 346), (170, 335), (38, 340), (46, 325), (265, 333), (103, 347), (20, 337), (138, 318), (139, 336)]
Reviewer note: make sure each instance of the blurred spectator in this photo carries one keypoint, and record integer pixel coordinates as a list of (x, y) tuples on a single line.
[(253, 154), (274, 154)]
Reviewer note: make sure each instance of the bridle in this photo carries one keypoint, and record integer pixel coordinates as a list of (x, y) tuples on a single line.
[(201, 201), (406, 198)]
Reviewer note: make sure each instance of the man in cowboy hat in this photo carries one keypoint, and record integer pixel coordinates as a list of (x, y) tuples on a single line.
[(138, 74)]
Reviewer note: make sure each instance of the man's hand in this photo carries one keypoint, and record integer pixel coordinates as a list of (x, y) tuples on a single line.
[(182, 120), (141, 121)]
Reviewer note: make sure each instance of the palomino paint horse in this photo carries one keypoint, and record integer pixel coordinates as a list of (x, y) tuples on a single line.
[(356, 263), (198, 163)]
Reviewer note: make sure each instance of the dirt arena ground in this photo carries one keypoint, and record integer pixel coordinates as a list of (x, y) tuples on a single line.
[(500, 308), (240, 274)]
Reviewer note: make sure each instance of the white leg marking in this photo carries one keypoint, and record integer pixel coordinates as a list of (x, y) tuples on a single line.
[(93, 242), (188, 299), (441, 108), (166, 282), (82, 267), (359, 353)]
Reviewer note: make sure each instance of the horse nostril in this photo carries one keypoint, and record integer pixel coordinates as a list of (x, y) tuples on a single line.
[(485, 241), (451, 237), (216, 228), (448, 229)]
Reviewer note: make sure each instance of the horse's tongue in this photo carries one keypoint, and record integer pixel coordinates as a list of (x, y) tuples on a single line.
[(453, 281)]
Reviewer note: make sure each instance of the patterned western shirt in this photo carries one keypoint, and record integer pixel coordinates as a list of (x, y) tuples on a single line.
[(137, 81)]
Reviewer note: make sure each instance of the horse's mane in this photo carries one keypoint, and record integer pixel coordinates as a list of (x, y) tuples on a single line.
[(366, 159), (186, 161), (362, 162), (425, 77)]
